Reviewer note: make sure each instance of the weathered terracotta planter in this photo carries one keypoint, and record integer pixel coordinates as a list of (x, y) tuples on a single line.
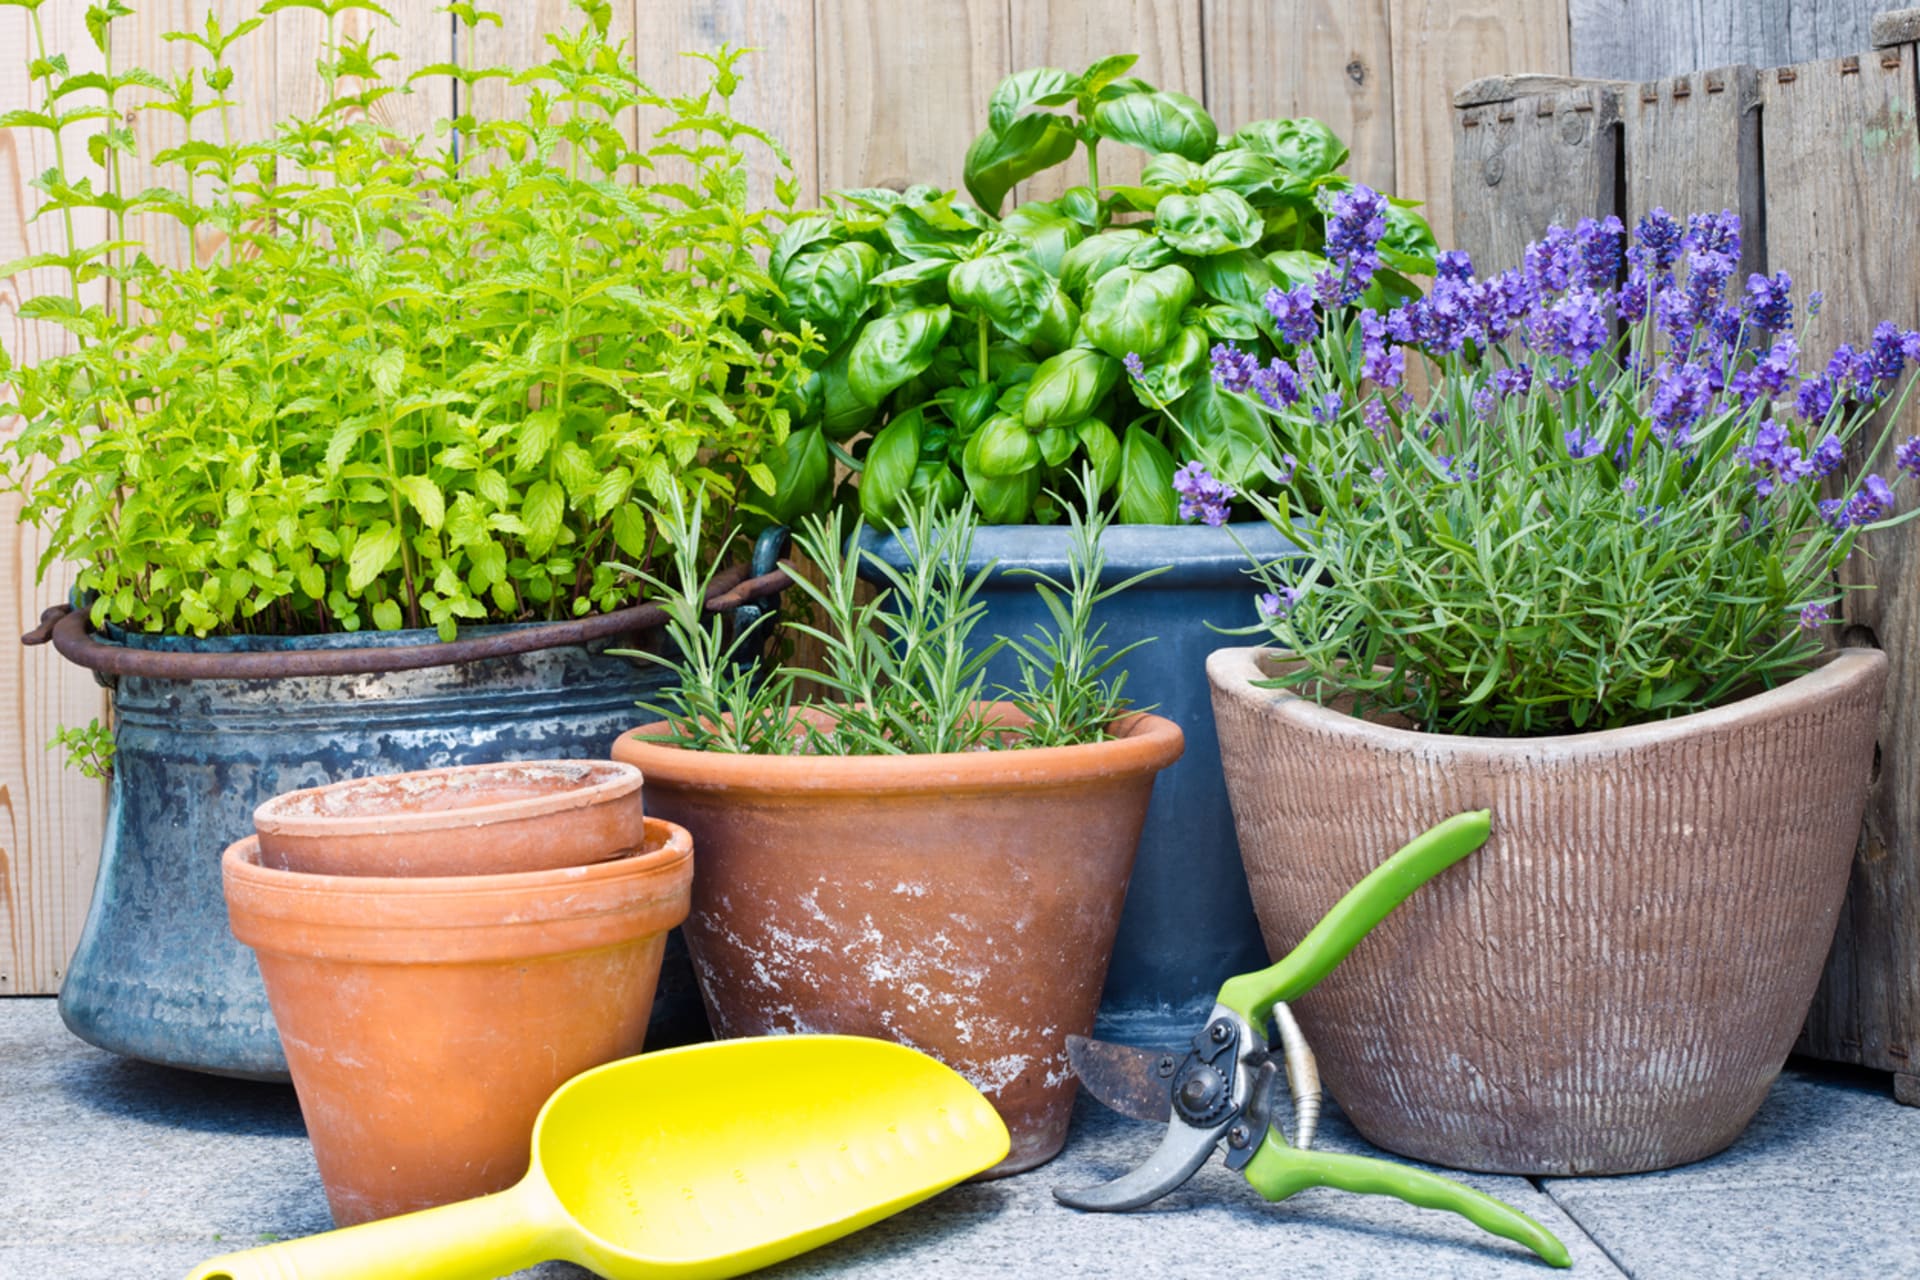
[(482, 819), (963, 904), (1613, 982), (426, 1018)]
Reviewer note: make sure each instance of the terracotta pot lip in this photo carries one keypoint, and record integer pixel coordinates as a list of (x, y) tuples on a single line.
[(1232, 672), (241, 867), (1145, 743), (297, 813)]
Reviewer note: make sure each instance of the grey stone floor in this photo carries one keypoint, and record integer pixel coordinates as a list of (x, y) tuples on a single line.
[(113, 1169)]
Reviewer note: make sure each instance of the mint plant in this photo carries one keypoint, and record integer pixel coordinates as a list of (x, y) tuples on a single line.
[(906, 670), (999, 355), (429, 380)]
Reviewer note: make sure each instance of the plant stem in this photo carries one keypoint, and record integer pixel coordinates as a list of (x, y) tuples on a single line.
[(985, 329), (59, 156)]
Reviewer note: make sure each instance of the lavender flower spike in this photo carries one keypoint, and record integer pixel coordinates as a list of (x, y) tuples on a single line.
[(1202, 496)]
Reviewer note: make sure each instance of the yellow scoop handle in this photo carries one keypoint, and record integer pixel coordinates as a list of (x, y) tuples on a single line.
[(472, 1240)]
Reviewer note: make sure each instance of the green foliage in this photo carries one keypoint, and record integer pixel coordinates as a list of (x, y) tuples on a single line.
[(88, 749), (994, 344), (905, 669), (425, 380)]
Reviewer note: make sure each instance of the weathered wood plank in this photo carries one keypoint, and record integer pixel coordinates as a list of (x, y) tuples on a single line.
[(901, 92), (1897, 26), (777, 91), (1691, 145), (51, 819), (1441, 45), (1842, 153), (1528, 163), (1329, 59), (1072, 35), (1650, 39)]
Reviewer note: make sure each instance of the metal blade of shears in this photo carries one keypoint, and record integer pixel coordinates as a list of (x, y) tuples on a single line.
[(1179, 1157), (1138, 1083)]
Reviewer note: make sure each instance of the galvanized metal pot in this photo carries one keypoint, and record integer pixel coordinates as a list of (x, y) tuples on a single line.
[(1612, 983), (158, 974), (1188, 924)]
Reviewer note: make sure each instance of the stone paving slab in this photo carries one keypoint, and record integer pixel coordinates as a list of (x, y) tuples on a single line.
[(111, 1169)]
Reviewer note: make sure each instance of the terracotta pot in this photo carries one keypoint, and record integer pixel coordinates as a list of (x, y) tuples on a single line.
[(482, 819), (1611, 984), (963, 904), (426, 1019)]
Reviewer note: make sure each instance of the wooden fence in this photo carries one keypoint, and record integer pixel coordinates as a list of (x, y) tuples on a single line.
[(863, 92), (1822, 159)]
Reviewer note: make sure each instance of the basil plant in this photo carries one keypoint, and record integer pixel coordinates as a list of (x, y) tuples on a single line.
[(956, 349)]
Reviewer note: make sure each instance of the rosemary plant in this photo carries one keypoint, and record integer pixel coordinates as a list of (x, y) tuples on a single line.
[(905, 670)]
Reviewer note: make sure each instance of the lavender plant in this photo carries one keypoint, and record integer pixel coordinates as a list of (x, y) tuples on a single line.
[(426, 380), (1622, 499)]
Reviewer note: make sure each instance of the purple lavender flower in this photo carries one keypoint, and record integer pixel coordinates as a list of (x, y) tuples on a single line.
[(1629, 485), (1484, 404), (1283, 474), (1907, 457), (1600, 244), (1277, 385), (1201, 495), (1385, 365), (1292, 312), (1773, 458), (1355, 222), (1851, 374), (1374, 414), (1657, 237), (1873, 502), (1329, 409), (1233, 368), (1573, 327), (1771, 374), (1714, 234), (1631, 304), (1814, 400), (1814, 301), (1828, 456), (1453, 264), (1581, 446), (1770, 302), (1813, 616), (1680, 396), (1135, 365), (1886, 356), (1910, 345), (1512, 381), (1278, 604), (1834, 512), (1553, 261), (1378, 475)]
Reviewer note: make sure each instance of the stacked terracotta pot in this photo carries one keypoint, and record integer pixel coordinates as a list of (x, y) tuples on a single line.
[(442, 950)]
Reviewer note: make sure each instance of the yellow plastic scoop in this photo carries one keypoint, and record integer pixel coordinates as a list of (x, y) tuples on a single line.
[(706, 1161)]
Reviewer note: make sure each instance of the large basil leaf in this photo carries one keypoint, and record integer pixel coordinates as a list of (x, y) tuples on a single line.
[(970, 406), (1296, 266), (799, 233), (1103, 450), (1408, 245), (1247, 172), (1003, 447), (1136, 312), (829, 288), (1082, 204), (1211, 222), (893, 348), (929, 231), (1106, 71), (1180, 364), (832, 403), (1000, 499), (1093, 257), (1056, 445), (1047, 231), (888, 473), (802, 473), (1230, 321), (1152, 252), (1066, 387), (1011, 287), (1036, 87), (1059, 328), (1305, 148), (1234, 277), (1169, 170), (1146, 481), (1000, 158), (1225, 432), (1159, 121)]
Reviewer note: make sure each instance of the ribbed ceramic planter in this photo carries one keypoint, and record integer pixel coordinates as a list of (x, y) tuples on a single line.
[(1612, 983), (427, 1018), (481, 819), (963, 904), (1188, 924)]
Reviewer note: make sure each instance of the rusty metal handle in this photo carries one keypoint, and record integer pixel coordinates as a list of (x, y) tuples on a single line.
[(73, 638)]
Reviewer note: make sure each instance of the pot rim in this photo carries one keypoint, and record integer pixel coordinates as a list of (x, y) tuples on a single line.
[(1232, 672), (1145, 743), (613, 781)]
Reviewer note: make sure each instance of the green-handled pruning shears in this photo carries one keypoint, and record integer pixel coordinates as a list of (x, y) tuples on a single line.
[(1220, 1095)]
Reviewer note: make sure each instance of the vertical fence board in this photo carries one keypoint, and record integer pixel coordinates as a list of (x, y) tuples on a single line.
[(1072, 35), (1441, 45), (1843, 166), (1649, 39), (51, 818), (777, 91), (901, 90), (1552, 151), (1329, 59), (1692, 145)]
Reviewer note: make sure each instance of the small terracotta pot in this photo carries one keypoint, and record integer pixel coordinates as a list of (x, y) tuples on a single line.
[(481, 819), (1613, 981), (963, 904), (426, 1019)]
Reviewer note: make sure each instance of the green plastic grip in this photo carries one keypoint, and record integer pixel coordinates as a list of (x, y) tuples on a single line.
[(1253, 995), (1278, 1171)]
